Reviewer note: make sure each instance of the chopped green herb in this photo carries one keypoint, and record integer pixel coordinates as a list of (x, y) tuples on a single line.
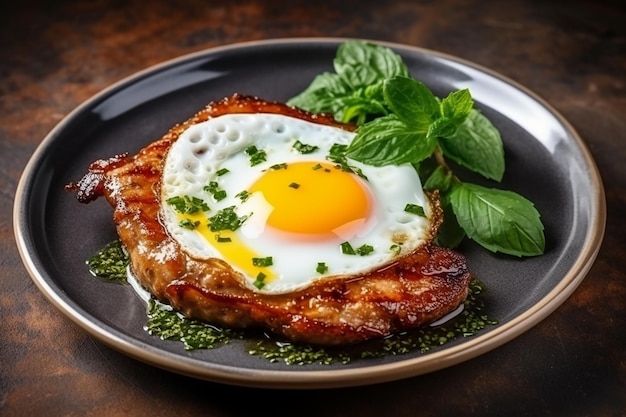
[(169, 325), (222, 171), (364, 250), (222, 239), (257, 156), (415, 209), (226, 219), (243, 196), (219, 195), (337, 154), (304, 149), (276, 167), (347, 249), (188, 224), (470, 321), (322, 268), (214, 189), (267, 261), (110, 262), (187, 205), (259, 282), (395, 248), (317, 166), (294, 185)]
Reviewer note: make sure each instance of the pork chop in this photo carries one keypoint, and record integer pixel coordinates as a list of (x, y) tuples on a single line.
[(413, 291)]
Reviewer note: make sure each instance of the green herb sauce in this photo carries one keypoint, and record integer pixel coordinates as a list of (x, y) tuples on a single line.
[(170, 325), (467, 323), (111, 263)]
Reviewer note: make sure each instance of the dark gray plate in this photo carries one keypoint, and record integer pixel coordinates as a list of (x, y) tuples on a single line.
[(546, 161)]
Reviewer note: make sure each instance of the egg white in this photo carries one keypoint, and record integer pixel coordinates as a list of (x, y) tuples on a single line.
[(204, 149)]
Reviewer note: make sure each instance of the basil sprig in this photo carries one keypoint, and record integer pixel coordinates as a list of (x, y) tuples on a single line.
[(355, 90), (401, 121), (410, 132)]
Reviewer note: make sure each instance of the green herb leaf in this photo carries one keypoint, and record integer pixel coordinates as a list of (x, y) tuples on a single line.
[(322, 95), (226, 219), (263, 262), (215, 190), (276, 167), (457, 106), (415, 209), (354, 91), (356, 109), (321, 268), (438, 179), (222, 239), (364, 250), (243, 195), (257, 156), (396, 248), (442, 127), (477, 146), (187, 205), (259, 282), (412, 102), (303, 148), (450, 234), (222, 171), (362, 64), (188, 224), (347, 249), (389, 141), (501, 221), (337, 154)]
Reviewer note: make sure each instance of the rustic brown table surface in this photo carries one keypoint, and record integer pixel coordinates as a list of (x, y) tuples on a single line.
[(55, 55)]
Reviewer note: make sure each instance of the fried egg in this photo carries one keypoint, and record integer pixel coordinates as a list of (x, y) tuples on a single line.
[(265, 193)]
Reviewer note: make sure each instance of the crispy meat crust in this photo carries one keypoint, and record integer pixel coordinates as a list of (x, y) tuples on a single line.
[(416, 290)]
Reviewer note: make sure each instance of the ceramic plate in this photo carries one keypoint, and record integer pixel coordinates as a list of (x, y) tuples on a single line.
[(546, 161)]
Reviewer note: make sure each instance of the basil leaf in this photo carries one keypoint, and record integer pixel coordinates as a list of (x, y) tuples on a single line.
[(477, 146), (454, 109), (355, 91), (361, 64), (411, 101), (438, 180), (442, 127), (322, 94), (388, 141), (358, 108), (501, 221), (457, 106), (450, 233)]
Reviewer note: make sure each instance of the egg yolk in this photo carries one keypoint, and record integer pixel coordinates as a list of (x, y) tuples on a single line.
[(315, 199)]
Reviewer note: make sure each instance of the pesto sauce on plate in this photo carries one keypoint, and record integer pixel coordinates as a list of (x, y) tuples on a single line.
[(111, 264)]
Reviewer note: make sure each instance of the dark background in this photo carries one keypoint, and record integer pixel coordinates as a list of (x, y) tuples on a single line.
[(55, 55)]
